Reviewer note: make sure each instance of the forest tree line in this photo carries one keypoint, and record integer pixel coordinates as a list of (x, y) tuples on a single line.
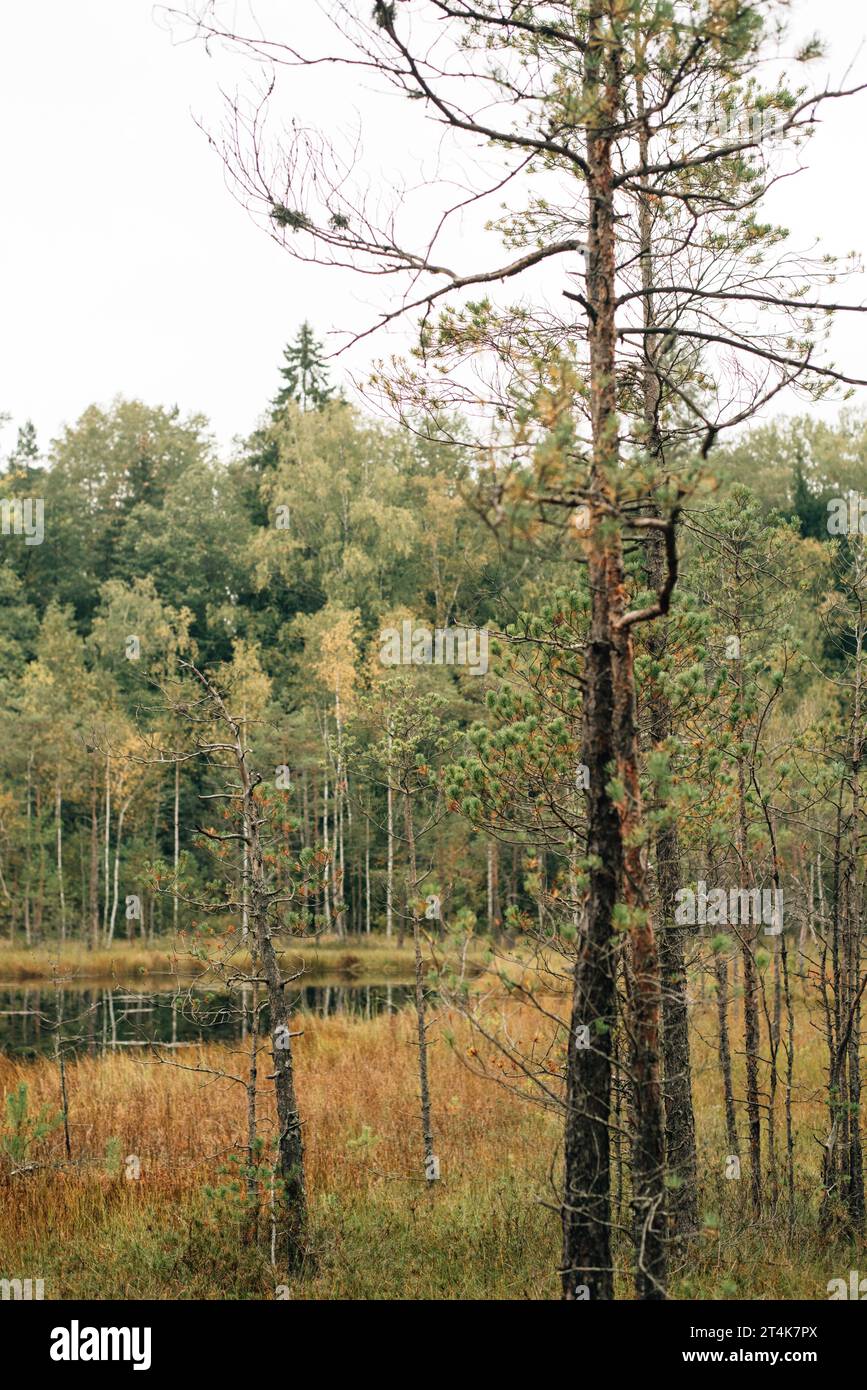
[(282, 568)]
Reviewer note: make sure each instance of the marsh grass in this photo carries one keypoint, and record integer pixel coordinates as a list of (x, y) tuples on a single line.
[(485, 1231)]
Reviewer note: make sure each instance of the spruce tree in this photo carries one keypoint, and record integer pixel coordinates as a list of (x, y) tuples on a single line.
[(304, 373)]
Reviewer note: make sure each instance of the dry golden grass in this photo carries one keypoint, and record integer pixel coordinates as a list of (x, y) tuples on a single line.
[(358, 1086), (377, 1231), (351, 1074)]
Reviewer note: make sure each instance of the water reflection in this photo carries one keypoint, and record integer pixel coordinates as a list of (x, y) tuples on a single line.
[(92, 1019)]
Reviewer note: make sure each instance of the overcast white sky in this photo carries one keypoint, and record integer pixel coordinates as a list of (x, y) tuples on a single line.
[(127, 267)]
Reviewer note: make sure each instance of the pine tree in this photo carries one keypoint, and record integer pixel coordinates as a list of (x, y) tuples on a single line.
[(305, 376)]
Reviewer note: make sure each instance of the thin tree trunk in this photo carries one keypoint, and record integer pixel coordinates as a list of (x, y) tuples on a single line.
[(855, 1155), (389, 872), (289, 1194), (751, 983), (340, 801), (94, 862), (39, 905), (367, 878), (431, 1168), (252, 1147), (60, 1058), (148, 930), (725, 1056), (680, 1147), (58, 824), (106, 877), (176, 854), (326, 847), (291, 1206), (117, 846), (29, 850), (305, 809)]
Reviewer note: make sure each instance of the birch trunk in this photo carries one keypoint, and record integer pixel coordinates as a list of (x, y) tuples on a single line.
[(94, 862), (389, 872), (106, 876), (117, 848), (176, 856), (58, 825)]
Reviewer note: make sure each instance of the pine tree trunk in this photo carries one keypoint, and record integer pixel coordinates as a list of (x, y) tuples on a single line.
[(587, 1258), (252, 1081), (855, 1154), (725, 1056), (610, 741), (680, 1149), (751, 985)]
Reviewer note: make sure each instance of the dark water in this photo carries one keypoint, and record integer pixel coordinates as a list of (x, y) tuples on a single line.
[(101, 1018)]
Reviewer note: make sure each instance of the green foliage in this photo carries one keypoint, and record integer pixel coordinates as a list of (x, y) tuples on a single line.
[(23, 1131)]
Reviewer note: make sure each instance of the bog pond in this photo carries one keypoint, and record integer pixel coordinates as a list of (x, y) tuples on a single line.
[(95, 1016)]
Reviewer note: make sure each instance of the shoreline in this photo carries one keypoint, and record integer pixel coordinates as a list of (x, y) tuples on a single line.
[(353, 960)]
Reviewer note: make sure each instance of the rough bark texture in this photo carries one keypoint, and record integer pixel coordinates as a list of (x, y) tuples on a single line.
[(725, 1055), (610, 749), (290, 1203), (752, 1035), (855, 1153), (680, 1150), (648, 1154), (586, 1200)]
